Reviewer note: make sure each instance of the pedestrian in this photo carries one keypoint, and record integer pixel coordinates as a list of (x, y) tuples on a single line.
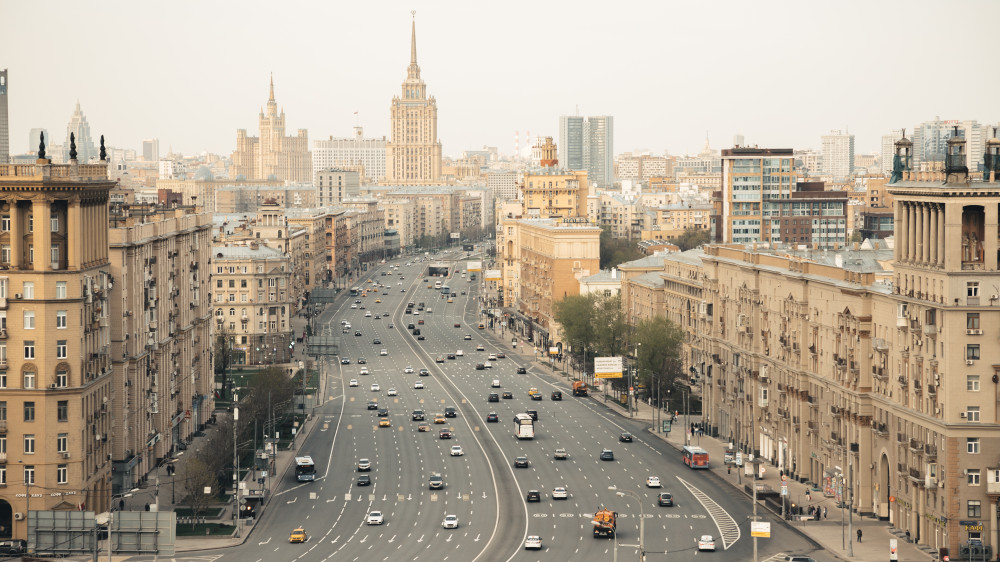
[(908, 536), (121, 504), (824, 513), (808, 497), (729, 469), (859, 535)]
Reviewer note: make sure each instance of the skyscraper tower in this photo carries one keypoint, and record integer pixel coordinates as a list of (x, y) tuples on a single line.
[(413, 156), (4, 123), (79, 127)]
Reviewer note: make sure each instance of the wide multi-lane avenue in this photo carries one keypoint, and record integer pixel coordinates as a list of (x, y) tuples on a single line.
[(482, 487)]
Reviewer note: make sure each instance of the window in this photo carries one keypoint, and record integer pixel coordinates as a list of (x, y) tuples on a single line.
[(29, 319), (5, 223), (29, 444), (232, 283), (29, 349), (62, 410), (972, 289), (972, 383), (29, 379), (243, 283), (3, 475), (60, 319), (29, 475), (3, 412), (61, 474), (54, 223), (232, 312), (3, 380), (975, 508), (60, 289), (972, 413), (972, 352), (218, 283), (3, 444), (972, 445), (31, 253), (60, 349), (28, 290), (29, 411), (61, 442), (5, 253), (972, 477), (62, 379), (31, 223), (972, 321), (54, 256)]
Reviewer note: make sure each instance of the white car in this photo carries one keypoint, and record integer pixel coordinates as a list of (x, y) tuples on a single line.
[(353, 305), (533, 542), (375, 518), (492, 357), (354, 382), (408, 370), (706, 542), (418, 384), (653, 482), (460, 353), (559, 493), (456, 451), (450, 522), (376, 387), (364, 371), (487, 365), (384, 352), (368, 314), (496, 383), (391, 392)]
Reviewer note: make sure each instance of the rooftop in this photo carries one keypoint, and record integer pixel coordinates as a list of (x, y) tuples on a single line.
[(245, 252)]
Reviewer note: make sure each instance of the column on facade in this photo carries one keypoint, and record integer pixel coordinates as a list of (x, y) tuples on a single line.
[(933, 234), (900, 225), (41, 209), (990, 242), (911, 231), (918, 233), (941, 234), (73, 234), (16, 235), (925, 211)]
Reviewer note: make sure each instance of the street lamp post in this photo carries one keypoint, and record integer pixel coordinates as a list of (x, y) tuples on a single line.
[(642, 521)]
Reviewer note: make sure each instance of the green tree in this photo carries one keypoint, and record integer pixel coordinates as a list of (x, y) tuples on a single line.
[(692, 238), (268, 388), (615, 251), (658, 341), (576, 316)]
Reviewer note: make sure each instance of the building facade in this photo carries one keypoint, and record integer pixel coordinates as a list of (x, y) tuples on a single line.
[(838, 155), (272, 155), (335, 185), (80, 129), (5, 120), (554, 192), (503, 184), (413, 156), (366, 156), (753, 179)]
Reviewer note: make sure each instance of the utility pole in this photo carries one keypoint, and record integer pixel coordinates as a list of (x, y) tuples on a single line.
[(850, 504), (753, 477), (236, 469)]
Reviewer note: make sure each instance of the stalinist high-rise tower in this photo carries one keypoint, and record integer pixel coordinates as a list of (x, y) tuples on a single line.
[(413, 156)]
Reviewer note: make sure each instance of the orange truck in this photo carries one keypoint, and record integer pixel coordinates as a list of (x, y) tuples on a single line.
[(579, 388), (605, 523)]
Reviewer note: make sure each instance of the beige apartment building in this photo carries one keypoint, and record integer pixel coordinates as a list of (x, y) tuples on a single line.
[(160, 337), (551, 192), (252, 301), (56, 415), (313, 223), (272, 154), (399, 216), (366, 224)]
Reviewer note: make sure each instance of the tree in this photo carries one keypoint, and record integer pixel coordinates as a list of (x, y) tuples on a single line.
[(692, 238), (198, 475), (615, 251), (576, 316), (267, 389), (659, 346)]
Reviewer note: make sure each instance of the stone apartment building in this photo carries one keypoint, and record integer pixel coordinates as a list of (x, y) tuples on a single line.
[(313, 223)]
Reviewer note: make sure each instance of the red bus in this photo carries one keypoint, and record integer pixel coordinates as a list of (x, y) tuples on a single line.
[(695, 457)]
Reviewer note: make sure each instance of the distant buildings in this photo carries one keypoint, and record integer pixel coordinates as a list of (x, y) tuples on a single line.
[(588, 144), (930, 140), (4, 120), (363, 155), (79, 127), (503, 184), (334, 186), (150, 150), (838, 155), (413, 156), (888, 149), (272, 154)]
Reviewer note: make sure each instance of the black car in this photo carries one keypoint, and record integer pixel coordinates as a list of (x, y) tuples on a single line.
[(417, 415), (424, 373), (357, 301), (556, 395), (522, 371), (507, 395), (364, 480), (493, 397), (372, 405), (534, 496), (480, 367), (376, 341), (533, 414), (492, 418), (665, 499), (383, 412), (451, 356), (410, 326), (536, 396), (357, 332), (407, 311), (625, 437), (450, 412), (607, 455), (362, 361), (521, 462), (420, 338), (501, 355), (416, 331)]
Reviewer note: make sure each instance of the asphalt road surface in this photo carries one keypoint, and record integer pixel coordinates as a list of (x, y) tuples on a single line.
[(482, 487)]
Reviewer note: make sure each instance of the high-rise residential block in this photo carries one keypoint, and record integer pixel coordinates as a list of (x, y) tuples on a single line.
[(930, 140), (151, 150), (503, 184), (753, 178), (4, 120), (272, 154), (334, 186), (364, 155), (588, 144), (838, 155), (572, 135), (413, 156)]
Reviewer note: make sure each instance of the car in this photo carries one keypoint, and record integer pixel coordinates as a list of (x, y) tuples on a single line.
[(493, 397), (653, 482), (418, 385), (533, 496), (607, 455), (460, 353), (436, 482), (383, 412), (456, 451), (487, 365), (422, 427), (450, 522), (791, 558), (439, 359), (354, 305), (411, 326), (560, 493), (492, 417), (372, 405), (450, 412), (451, 300), (298, 535), (495, 383), (480, 366), (354, 382), (416, 312), (376, 341), (363, 371), (417, 415), (362, 307), (561, 454), (392, 392), (492, 357), (706, 542), (439, 418), (444, 434), (408, 370), (521, 462), (665, 499), (556, 395), (458, 324), (391, 325), (364, 480), (467, 337), (501, 355), (479, 347), (378, 301), (625, 437), (345, 361), (364, 465), (451, 356), (533, 414), (384, 422), (522, 371), (420, 322), (376, 387), (383, 352), (537, 396), (533, 542), (12, 547), (368, 314), (402, 290), (424, 373), (420, 338)]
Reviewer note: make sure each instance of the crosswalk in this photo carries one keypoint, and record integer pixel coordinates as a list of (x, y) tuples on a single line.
[(729, 530)]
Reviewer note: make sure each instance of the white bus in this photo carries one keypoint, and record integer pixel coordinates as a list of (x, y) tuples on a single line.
[(305, 469), (437, 285), (524, 426)]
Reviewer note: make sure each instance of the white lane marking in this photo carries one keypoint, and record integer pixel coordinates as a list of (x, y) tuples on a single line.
[(729, 530)]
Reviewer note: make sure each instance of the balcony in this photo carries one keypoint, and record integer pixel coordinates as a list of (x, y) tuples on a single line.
[(879, 373), (903, 382), (931, 390), (881, 429), (916, 446), (930, 451), (992, 488), (916, 476), (3, 426)]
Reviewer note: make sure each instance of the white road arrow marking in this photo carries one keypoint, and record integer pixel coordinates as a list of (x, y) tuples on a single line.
[(265, 542)]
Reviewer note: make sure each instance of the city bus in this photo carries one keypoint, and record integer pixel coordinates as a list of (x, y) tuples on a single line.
[(355, 291), (305, 470), (446, 290), (695, 457), (524, 426)]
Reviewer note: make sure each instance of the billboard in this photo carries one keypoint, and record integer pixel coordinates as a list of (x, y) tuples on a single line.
[(455, 236), (493, 275), (474, 266), (608, 367)]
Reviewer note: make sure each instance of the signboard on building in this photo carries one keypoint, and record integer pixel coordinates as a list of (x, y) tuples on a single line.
[(474, 266), (608, 367), (493, 275), (553, 350)]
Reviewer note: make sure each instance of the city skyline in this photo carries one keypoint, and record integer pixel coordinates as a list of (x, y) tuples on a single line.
[(666, 90)]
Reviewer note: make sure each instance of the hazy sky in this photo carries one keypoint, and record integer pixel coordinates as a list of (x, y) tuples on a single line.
[(781, 73)]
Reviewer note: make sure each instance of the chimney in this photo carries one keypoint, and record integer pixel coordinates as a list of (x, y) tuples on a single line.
[(614, 273)]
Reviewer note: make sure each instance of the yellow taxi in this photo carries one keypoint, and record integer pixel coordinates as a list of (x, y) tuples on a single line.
[(378, 301), (364, 294), (451, 300), (370, 281), (384, 422), (482, 326), (298, 535), (439, 418), (532, 391), (423, 427)]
